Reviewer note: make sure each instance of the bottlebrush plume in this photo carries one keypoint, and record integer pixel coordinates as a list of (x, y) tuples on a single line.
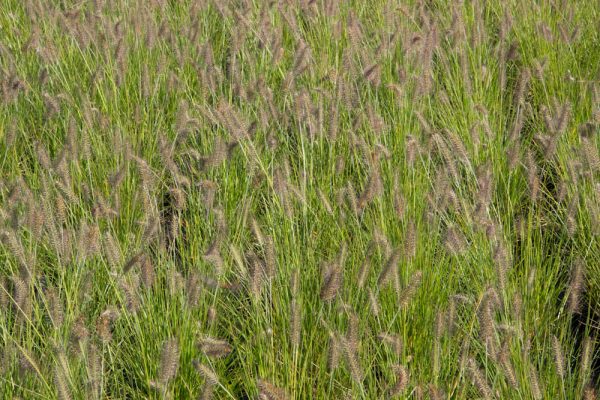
[(409, 292), (576, 286), (169, 361), (390, 268), (334, 353), (401, 381), (215, 348), (352, 361), (479, 380), (268, 391), (559, 357), (206, 372)]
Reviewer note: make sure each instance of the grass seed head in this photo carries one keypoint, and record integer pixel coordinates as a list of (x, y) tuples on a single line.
[(62, 385), (401, 381), (479, 380), (334, 353), (407, 295), (268, 391), (206, 372), (332, 283), (559, 357), (215, 348), (169, 361)]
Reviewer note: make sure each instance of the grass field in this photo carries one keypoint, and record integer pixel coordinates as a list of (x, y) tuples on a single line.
[(307, 199)]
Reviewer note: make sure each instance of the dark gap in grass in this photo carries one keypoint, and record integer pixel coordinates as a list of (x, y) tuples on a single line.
[(378, 376), (243, 395), (579, 324), (167, 218), (132, 381)]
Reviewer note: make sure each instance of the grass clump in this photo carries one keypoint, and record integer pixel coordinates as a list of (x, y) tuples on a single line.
[(290, 200)]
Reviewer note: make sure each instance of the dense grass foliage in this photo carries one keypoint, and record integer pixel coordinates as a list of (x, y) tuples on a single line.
[(299, 199)]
